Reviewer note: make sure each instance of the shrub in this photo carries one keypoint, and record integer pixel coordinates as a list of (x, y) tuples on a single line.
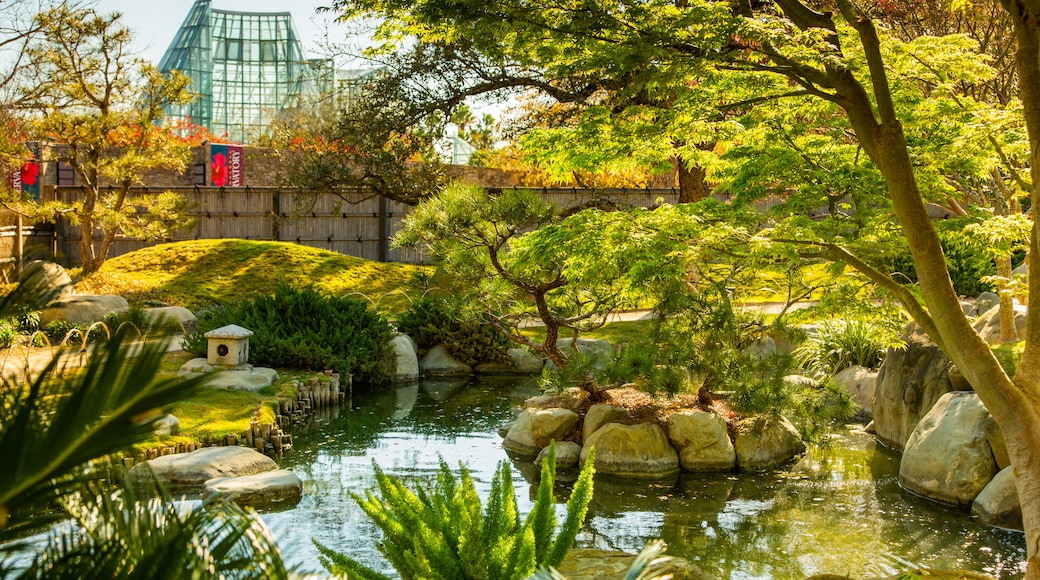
[(302, 328), (967, 260), (444, 532), (432, 321), (840, 344), (8, 333)]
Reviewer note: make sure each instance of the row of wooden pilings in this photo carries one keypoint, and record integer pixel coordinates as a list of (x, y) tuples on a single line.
[(274, 439)]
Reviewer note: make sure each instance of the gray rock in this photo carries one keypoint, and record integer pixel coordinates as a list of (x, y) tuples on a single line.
[(525, 362), (520, 362), (599, 415), (911, 380), (997, 504), (407, 360), (986, 302), (861, 384), (439, 363), (988, 324), (762, 348), (168, 425), (599, 349), (640, 451), (947, 458), (270, 487), (995, 437), (702, 440), (519, 438), (764, 443), (82, 308), (567, 455), (169, 316), (243, 379), (198, 467), (46, 278), (552, 424)]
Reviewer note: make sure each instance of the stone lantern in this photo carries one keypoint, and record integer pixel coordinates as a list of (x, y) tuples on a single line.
[(228, 346)]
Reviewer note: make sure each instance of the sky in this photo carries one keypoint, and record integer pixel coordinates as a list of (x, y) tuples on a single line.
[(155, 22)]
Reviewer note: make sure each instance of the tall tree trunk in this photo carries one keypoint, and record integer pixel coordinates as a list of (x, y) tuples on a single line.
[(1014, 404), (1008, 332), (692, 184), (86, 232), (1023, 440), (692, 178)]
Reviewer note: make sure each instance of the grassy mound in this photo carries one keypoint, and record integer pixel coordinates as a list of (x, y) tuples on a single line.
[(201, 273)]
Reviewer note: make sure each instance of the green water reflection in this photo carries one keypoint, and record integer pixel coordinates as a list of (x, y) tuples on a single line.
[(840, 510)]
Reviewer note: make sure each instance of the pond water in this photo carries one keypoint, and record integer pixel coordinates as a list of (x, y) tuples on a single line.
[(840, 510)]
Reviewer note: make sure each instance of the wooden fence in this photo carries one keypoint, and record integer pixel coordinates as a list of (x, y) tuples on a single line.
[(327, 221)]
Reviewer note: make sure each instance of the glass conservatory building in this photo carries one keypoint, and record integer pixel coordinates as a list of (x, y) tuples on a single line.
[(246, 68)]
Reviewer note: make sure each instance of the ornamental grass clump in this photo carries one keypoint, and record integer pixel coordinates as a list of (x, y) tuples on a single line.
[(443, 531), (840, 344)]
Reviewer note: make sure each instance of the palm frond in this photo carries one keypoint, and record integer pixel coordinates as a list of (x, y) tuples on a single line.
[(56, 425), (136, 530)]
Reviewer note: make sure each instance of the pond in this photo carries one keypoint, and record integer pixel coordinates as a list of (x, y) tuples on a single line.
[(839, 510)]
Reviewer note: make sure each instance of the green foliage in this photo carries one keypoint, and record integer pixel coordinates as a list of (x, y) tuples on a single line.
[(839, 344), (29, 321), (8, 333), (137, 530), (302, 328), (968, 259), (431, 321), (57, 435), (444, 532)]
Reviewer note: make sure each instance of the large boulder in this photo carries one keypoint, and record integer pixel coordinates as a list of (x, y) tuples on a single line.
[(948, 458), (407, 360), (438, 362), (519, 361), (988, 324), (911, 380), (996, 442), (519, 439), (641, 451), (986, 302), (997, 504), (198, 467), (764, 442), (568, 453), (861, 384), (598, 416), (262, 488), (552, 424), (175, 317), (82, 308), (46, 278), (702, 441), (598, 349)]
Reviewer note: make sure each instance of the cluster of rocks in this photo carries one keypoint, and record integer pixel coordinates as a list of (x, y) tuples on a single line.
[(248, 477), (953, 450), (439, 362), (692, 440), (49, 278)]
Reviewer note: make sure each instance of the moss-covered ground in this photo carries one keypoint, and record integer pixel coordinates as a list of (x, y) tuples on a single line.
[(201, 273)]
